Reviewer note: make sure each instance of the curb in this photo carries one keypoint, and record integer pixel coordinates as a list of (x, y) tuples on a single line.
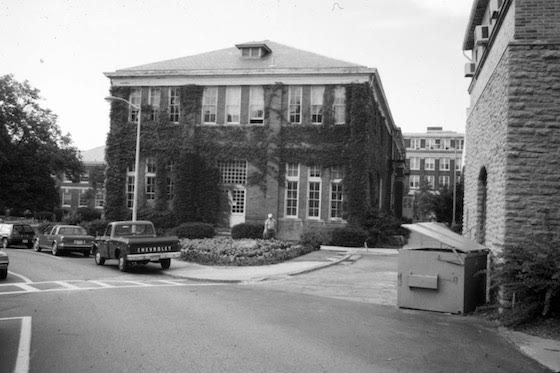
[(544, 351)]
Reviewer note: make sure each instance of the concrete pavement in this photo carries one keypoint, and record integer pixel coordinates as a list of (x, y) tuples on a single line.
[(545, 351)]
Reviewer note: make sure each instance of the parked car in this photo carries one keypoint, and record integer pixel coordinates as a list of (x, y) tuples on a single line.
[(60, 238), (16, 234), (135, 242), (4, 261)]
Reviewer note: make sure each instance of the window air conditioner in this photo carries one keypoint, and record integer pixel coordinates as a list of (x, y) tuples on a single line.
[(481, 34), (495, 6), (470, 68)]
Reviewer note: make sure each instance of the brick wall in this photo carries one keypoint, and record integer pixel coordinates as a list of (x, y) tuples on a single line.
[(537, 20)]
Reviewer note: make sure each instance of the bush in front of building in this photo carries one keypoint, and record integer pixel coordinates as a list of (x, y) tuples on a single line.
[(381, 228), (162, 220), (247, 230), (348, 236), (245, 252), (193, 230), (89, 214), (313, 237), (95, 227)]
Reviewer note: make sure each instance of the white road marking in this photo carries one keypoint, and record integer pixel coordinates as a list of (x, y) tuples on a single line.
[(25, 279), (66, 285), (24, 348)]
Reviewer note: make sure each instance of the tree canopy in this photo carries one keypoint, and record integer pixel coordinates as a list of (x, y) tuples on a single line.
[(33, 151)]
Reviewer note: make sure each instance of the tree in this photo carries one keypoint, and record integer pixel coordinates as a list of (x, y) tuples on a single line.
[(32, 150), (439, 203)]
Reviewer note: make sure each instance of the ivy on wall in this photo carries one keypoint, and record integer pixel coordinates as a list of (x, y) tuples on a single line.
[(194, 150)]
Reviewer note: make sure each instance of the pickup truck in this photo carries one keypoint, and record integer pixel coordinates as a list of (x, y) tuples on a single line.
[(60, 238), (135, 242)]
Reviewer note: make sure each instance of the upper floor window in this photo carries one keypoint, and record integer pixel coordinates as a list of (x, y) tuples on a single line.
[(233, 105), (256, 104), (251, 52), (135, 99), (443, 181), (209, 104), (414, 181), (339, 105), (444, 164), (314, 192), (174, 105), (66, 197), (430, 180), (99, 198), (429, 164), (414, 143), (84, 178), (154, 99), (295, 104), (414, 163), (150, 178), (317, 104), (169, 181), (82, 201)]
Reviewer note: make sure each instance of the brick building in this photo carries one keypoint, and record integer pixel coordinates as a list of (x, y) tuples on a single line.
[(287, 129), (512, 173), (434, 156)]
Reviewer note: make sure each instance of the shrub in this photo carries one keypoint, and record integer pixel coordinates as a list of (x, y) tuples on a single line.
[(380, 226), (162, 220), (44, 215), (193, 230), (529, 280), (95, 227), (58, 213), (313, 238), (349, 236), (246, 230), (88, 214)]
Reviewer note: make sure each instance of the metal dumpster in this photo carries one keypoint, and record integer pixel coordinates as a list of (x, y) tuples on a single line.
[(439, 270)]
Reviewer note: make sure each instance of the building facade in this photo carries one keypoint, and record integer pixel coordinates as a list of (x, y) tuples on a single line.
[(434, 157), (307, 138), (512, 176)]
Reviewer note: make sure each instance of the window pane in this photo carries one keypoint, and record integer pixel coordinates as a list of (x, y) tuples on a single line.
[(233, 172), (295, 104), (256, 105), (233, 104), (209, 104)]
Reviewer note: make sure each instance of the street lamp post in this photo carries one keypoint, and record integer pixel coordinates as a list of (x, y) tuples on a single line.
[(137, 160)]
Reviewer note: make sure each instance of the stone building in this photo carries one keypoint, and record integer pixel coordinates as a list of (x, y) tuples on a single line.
[(433, 156), (305, 137), (512, 165)]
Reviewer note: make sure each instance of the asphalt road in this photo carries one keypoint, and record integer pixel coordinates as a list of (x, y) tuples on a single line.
[(68, 315)]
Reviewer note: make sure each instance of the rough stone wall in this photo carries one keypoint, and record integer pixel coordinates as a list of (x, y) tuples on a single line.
[(533, 163), (485, 149), (537, 20)]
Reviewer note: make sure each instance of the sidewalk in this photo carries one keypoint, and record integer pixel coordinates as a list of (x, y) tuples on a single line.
[(545, 351)]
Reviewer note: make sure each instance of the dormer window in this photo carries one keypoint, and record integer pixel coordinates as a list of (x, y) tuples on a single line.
[(253, 50)]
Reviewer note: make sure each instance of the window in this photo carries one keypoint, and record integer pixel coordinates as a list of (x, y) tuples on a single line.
[(82, 202), (169, 181), (429, 164), (430, 180), (251, 52), (233, 172), (209, 104), (414, 163), (317, 104), (154, 99), (444, 164), (336, 193), (135, 99), (256, 105), (414, 143), (446, 144), (314, 192), (238, 197), (443, 181), (295, 104), (414, 181), (233, 105), (339, 106), (130, 186), (150, 178), (173, 106), (66, 197), (99, 198), (84, 178), (292, 182), (457, 164)]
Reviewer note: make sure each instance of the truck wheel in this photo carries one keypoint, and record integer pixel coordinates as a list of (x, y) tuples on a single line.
[(4, 243), (99, 260), (36, 246), (165, 263), (3, 273), (123, 264), (55, 250)]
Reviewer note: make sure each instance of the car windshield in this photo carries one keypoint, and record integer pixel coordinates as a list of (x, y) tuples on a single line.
[(134, 229), (72, 230)]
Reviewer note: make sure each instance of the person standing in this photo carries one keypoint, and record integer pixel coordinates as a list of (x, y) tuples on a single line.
[(269, 228)]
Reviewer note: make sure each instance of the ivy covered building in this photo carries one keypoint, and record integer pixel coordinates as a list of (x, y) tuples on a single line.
[(231, 135)]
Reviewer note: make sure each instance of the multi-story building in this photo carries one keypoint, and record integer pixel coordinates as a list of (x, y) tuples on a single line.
[(87, 191), (434, 157), (307, 138), (512, 173)]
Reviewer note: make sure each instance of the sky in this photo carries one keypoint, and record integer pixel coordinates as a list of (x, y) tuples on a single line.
[(63, 47)]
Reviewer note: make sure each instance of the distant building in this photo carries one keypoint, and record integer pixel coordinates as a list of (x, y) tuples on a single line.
[(512, 173), (433, 156), (86, 192), (287, 130)]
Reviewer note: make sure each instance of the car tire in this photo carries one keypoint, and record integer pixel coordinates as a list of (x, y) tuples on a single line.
[(123, 263), (99, 260), (3, 273), (36, 246), (55, 250), (165, 263), (4, 243)]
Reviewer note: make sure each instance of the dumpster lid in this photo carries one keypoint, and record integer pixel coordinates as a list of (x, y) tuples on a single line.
[(446, 236)]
